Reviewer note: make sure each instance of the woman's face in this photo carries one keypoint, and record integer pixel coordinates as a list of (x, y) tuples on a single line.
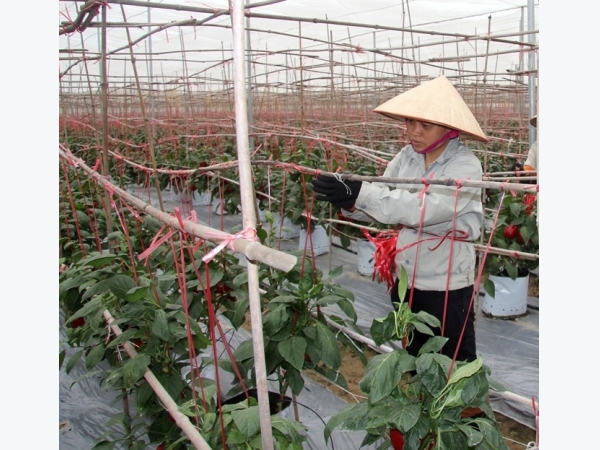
[(424, 134)]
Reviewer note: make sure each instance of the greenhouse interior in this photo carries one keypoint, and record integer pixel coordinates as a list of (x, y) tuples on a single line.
[(208, 299)]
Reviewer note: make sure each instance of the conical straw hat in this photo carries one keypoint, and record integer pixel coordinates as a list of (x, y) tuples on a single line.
[(436, 101)]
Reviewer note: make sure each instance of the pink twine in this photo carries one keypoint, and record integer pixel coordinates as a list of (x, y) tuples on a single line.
[(249, 234), (156, 242)]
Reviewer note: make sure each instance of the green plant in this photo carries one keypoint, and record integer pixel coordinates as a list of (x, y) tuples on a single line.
[(422, 397), (516, 230), (295, 332)]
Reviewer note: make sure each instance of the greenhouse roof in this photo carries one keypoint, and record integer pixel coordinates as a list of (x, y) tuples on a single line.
[(353, 41)]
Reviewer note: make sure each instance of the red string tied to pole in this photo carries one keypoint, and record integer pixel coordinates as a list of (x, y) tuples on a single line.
[(384, 265)]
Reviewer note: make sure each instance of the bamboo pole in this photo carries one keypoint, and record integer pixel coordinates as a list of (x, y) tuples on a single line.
[(249, 219), (148, 127), (181, 419), (104, 166), (253, 250), (301, 77)]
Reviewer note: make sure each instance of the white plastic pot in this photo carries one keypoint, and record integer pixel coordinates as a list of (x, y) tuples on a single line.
[(201, 198), (365, 251), (319, 238), (510, 299)]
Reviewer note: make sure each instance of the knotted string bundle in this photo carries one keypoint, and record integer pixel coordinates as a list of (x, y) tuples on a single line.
[(384, 265)]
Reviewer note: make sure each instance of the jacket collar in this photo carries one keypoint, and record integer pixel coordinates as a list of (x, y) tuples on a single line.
[(450, 150)]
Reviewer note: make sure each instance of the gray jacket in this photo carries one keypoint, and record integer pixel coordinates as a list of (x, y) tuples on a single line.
[(395, 204)]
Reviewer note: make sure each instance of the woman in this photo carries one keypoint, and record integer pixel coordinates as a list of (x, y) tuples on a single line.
[(438, 223)]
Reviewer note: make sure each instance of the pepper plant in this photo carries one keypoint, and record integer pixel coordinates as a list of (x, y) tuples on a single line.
[(421, 397), (296, 334), (516, 229)]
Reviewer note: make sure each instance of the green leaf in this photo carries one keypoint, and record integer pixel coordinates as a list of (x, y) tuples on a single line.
[(496, 386), (429, 319), (493, 438), (382, 376), (70, 283), (97, 260), (490, 288), (295, 380), (336, 272), (120, 285), (352, 418), (235, 437), (329, 300), (293, 350), (275, 320), (406, 417), (247, 421), (244, 351), (466, 371), (422, 328), (114, 235), (134, 369), (431, 374), (282, 299), (137, 293), (61, 358), (512, 270), (515, 208), (292, 429), (337, 289), (125, 336), (172, 383), (95, 355), (74, 360), (525, 234), (402, 284), (348, 309), (327, 346), (90, 307), (160, 327), (382, 330), (433, 345)]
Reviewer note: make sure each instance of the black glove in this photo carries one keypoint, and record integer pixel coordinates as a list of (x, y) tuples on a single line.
[(341, 193)]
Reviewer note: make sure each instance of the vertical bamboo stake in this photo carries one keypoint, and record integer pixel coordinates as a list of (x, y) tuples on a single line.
[(249, 75), (301, 78), (249, 219), (104, 86), (149, 136), (487, 55), (150, 72), (91, 92), (187, 95), (485, 154), (375, 100), (332, 94), (412, 42), (531, 67)]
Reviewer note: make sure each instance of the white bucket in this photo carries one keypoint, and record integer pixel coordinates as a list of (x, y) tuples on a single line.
[(201, 198), (510, 299), (320, 241), (365, 251)]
